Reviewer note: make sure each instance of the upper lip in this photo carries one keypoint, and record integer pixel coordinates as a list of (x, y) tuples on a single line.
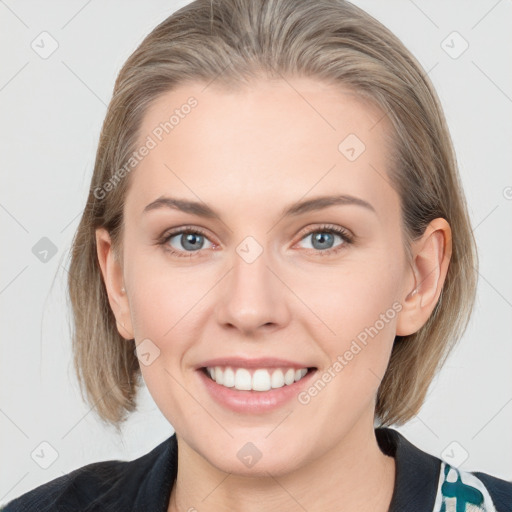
[(259, 362)]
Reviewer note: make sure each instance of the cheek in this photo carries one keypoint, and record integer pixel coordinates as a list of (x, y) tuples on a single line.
[(365, 299), (165, 306), (363, 310), (360, 306), (352, 296), (169, 307), (161, 294)]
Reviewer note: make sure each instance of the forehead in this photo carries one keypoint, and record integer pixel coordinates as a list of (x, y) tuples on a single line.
[(261, 143)]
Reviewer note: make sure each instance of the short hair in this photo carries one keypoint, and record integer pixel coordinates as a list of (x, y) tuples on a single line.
[(233, 42)]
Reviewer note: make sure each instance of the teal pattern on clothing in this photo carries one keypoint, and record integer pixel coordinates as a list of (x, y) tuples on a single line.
[(461, 491), (465, 494)]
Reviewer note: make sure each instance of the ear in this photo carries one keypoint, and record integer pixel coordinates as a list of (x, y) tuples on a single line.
[(112, 272), (430, 260)]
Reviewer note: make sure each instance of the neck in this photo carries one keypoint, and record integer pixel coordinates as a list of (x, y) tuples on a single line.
[(354, 475)]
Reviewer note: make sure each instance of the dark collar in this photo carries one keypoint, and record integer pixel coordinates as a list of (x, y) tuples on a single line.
[(416, 477)]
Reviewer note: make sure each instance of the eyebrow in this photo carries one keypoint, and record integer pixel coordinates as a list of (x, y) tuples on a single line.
[(203, 210)]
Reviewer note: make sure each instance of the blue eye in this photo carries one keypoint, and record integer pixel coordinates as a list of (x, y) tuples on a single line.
[(186, 240), (190, 240), (323, 239)]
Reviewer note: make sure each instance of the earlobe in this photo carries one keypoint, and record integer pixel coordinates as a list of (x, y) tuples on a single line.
[(431, 258), (112, 272)]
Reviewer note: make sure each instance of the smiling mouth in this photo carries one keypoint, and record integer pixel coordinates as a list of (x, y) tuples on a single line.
[(257, 379)]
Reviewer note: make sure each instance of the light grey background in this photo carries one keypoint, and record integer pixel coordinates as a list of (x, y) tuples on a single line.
[(52, 111)]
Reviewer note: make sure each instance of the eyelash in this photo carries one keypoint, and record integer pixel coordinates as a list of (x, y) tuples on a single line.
[(346, 236)]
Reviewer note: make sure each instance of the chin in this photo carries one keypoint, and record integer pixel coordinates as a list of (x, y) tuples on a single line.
[(256, 459)]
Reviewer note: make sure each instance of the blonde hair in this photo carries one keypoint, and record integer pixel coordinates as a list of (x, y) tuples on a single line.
[(233, 42)]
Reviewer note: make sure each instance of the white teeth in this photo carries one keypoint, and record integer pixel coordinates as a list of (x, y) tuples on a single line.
[(260, 380), (277, 379), (289, 376), (229, 378), (243, 381)]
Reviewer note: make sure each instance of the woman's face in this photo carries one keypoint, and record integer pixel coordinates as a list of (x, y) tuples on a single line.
[(263, 276)]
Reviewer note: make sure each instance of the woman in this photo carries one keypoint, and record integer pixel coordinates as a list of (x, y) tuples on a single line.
[(277, 241)]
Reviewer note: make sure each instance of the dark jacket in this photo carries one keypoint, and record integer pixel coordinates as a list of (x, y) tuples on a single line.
[(423, 483)]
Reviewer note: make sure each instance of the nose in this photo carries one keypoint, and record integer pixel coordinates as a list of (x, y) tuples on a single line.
[(253, 297)]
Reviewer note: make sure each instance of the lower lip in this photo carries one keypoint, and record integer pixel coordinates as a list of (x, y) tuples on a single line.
[(255, 402)]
